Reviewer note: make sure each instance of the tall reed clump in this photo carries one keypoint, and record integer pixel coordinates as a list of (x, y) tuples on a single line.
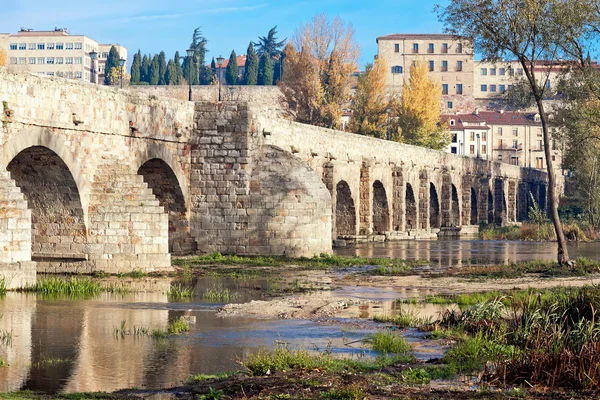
[(73, 287)]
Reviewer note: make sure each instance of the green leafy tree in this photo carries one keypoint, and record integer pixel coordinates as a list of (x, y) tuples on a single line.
[(145, 69), (269, 44), (231, 73), (251, 71), (265, 70), (179, 78), (194, 67), (111, 62), (162, 68), (529, 31), (136, 65), (154, 71), (171, 75)]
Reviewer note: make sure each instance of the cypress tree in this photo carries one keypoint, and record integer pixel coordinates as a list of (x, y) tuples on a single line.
[(154, 71), (136, 66), (213, 69), (111, 62), (162, 68), (178, 68), (251, 71), (145, 70), (265, 70), (231, 73), (171, 75)]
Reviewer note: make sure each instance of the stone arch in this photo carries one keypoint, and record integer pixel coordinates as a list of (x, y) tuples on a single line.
[(474, 213), (454, 208), (345, 212), (411, 208), (434, 207), (490, 207), (58, 226), (381, 211), (164, 184)]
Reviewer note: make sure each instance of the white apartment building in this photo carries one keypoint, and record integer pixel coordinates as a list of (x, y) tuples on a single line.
[(57, 53)]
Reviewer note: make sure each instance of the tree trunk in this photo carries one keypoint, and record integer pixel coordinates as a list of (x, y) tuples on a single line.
[(552, 198)]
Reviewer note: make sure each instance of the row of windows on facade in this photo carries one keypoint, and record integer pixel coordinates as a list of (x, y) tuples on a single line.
[(539, 161), (69, 74), (48, 60), (501, 71), (430, 48), (55, 46), (397, 69), (515, 132)]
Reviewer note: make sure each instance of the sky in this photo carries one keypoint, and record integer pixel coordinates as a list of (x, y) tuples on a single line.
[(152, 25)]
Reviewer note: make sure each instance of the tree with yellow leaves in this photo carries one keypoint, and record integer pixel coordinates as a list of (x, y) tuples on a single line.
[(370, 103), (114, 76), (318, 65), (417, 115), (2, 57)]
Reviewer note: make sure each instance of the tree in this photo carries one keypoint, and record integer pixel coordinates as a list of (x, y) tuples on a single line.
[(154, 71), (265, 70), (269, 44), (198, 72), (318, 66), (417, 116), (231, 73), (136, 66), (529, 31), (2, 57), (251, 70), (213, 68), (145, 69), (162, 68), (370, 104), (171, 75), (179, 78), (111, 62), (114, 76)]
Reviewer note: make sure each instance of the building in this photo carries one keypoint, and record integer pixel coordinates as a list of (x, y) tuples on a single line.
[(450, 62), (506, 136), (57, 53), (221, 71)]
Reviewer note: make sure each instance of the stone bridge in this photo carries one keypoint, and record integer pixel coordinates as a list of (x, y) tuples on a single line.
[(101, 179)]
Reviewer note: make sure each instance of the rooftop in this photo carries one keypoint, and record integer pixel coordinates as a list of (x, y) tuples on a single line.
[(400, 36), (466, 121)]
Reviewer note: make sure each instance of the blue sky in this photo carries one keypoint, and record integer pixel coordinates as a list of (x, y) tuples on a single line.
[(152, 25)]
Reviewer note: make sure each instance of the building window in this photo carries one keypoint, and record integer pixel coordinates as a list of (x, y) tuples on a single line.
[(431, 66), (459, 48), (515, 131), (444, 48), (492, 71), (472, 136), (415, 48), (459, 88), (484, 136), (105, 55), (472, 149), (397, 69), (514, 160), (78, 46), (13, 46), (444, 66), (78, 75), (483, 71), (13, 60), (41, 46), (548, 86), (59, 46), (515, 144), (78, 60), (50, 46), (502, 88), (520, 71), (31, 46), (540, 146), (511, 71), (539, 162), (450, 105), (493, 88), (459, 66), (50, 60), (41, 60), (454, 137), (484, 88), (431, 48), (22, 60), (69, 46), (69, 60), (499, 157), (31, 60), (483, 149), (50, 73), (59, 60), (502, 71), (453, 150), (499, 131), (22, 46), (444, 88)]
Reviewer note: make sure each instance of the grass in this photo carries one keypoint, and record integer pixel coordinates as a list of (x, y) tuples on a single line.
[(284, 358), (574, 231), (404, 319), (180, 292), (202, 378), (176, 327), (71, 287), (323, 261), (424, 375), (218, 295), (122, 331), (388, 342), (346, 393)]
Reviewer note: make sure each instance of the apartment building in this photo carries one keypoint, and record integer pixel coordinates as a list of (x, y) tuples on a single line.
[(57, 53), (450, 62), (221, 71), (506, 136)]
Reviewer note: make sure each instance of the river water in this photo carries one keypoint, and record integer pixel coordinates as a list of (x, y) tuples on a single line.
[(65, 345)]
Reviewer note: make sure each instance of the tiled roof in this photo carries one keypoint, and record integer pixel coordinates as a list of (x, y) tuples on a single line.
[(491, 118), (400, 36), (241, 62)]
